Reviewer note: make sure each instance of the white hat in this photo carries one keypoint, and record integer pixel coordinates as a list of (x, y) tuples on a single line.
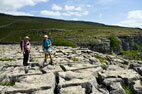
[(45, 36), (27, 37)]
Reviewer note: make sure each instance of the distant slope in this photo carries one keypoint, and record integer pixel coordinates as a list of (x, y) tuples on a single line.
[(14, 28)]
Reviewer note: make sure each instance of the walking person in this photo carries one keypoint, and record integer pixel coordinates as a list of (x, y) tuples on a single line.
[(26, 50), (46, 46)]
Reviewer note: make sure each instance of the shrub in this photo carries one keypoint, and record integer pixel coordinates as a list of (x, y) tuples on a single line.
[(62, 42), (92, 42), (113, 41), (130, 54), (136, 47)]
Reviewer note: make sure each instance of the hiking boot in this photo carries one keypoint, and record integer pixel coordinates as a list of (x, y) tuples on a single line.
[(51, 63), (45, 60)]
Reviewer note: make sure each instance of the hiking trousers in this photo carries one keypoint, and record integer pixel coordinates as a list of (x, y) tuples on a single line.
[(26, 57)]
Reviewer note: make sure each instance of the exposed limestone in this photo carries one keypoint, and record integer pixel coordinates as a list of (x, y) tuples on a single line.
[(75, 71)]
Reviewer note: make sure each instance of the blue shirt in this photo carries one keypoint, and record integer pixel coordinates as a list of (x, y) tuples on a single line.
[(46, 43)]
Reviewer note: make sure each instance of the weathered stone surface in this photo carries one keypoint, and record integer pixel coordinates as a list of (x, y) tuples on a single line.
[(77, 66), (116, 88), (137, 86), (48, 91), (73, 90), (126, 74), (75, 71), (33, 83), (69, 78)]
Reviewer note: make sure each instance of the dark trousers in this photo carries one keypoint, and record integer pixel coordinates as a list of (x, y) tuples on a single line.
[(26, 57)]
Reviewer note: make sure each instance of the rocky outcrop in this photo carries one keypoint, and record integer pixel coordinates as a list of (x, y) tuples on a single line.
[(126, 42), (75, 71)]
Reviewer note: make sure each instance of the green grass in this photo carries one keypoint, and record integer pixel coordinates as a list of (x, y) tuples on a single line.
[(127, 90), (2, 71), (40, 68), (7, 59), (102, 60), (74, 59), (8, 83), (131, 54), (62, 42), (73, 31)]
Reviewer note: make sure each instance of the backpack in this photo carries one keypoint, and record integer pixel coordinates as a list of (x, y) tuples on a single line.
[(21, 44)]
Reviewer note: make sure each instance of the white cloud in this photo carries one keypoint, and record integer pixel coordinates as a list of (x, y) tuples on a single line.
[(13, 5), (56, 7), (135, 14), (78, 14), (85, 13), (68, 13), (50, 13), (17, 13), (134, 19), (67, 7), (78, 9), (72, 8)]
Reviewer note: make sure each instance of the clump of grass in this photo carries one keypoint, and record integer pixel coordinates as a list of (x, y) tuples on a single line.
[(47, 57), (102, 60), (54, 54), (2, 71), (127, 90), (8, 83), (41, 68), (7, 59), (75, 59), (40, 57)]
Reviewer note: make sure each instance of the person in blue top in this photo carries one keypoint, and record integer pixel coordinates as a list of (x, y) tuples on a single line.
[(46, 46)]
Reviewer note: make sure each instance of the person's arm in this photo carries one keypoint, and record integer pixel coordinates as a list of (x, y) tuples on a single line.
[(23, 50), (42, 46), (29, 46), (50, 44)]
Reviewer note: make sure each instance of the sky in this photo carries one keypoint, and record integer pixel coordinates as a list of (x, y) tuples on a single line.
[(126, 13)]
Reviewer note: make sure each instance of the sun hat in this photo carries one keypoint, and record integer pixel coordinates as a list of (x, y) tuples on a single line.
[(27, 37), (45, 36)]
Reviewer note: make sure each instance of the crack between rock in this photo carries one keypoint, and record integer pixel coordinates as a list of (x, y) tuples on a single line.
[(29, 91), (56, 89)]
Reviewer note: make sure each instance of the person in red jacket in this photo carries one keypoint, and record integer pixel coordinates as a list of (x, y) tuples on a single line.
[(26, 50)]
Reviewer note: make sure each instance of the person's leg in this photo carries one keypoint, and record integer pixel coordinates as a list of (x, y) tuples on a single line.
[(24, 60), (26, 57), (45, 52), (49, 53), (50, 58)]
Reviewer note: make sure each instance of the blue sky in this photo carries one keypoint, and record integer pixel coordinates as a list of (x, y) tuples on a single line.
[(111, 12)]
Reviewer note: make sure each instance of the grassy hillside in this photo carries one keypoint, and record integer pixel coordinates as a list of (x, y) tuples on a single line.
[(16, 27)]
